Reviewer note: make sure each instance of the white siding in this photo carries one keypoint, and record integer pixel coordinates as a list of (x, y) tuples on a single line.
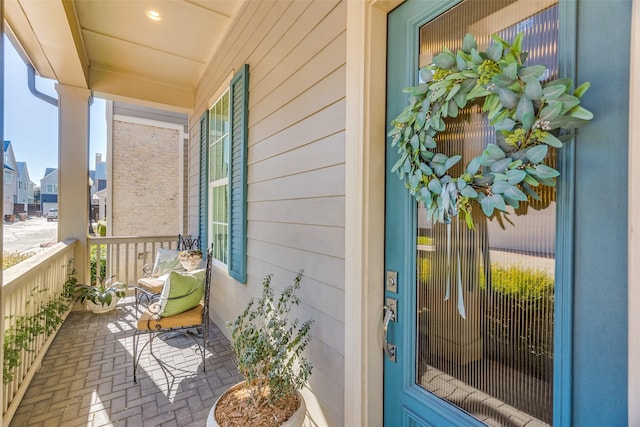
[(296, 53)]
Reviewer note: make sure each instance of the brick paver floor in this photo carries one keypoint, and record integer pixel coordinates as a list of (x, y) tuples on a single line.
[(86, 377)]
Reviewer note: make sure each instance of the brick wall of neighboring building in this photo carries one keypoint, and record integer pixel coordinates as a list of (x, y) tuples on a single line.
[(145, 178)]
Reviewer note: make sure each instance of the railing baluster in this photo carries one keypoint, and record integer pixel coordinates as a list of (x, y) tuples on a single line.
[(120, 250)]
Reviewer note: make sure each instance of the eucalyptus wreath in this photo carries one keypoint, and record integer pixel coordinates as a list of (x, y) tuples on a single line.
[(527, 114)]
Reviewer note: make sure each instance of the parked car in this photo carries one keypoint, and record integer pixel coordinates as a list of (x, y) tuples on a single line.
[(52, 214)]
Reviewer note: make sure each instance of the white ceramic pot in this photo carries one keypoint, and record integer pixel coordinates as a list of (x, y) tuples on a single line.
[(191, 264), (295, 420), (98, 308)]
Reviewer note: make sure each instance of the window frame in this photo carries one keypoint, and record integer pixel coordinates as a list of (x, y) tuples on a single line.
[(236, 175)]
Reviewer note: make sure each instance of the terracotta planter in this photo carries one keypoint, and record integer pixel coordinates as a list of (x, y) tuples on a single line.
[(295, 420), (98, 308)]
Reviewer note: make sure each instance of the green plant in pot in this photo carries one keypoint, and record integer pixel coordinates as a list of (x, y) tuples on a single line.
[(101, 297), (268, 347)]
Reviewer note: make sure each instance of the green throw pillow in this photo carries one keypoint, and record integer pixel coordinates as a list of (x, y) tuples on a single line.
[(166, 260), (182, 291)]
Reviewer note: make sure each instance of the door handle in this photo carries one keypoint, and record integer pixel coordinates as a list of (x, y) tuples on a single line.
[(389, 315)]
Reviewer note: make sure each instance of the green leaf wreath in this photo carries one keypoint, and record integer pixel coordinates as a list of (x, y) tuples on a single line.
[(527, 116)]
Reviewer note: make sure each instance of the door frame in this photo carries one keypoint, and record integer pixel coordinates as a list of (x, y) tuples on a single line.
[(634, 223), (365, 145), (565, 229)]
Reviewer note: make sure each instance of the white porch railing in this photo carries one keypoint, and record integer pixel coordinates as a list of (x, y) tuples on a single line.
[(31, 292), (124, 257)]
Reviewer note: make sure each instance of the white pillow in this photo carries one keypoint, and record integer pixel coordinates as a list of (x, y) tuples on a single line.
[(166, 260)]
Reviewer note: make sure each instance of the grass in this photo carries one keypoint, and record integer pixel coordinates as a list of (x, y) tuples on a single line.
[(9, 259)]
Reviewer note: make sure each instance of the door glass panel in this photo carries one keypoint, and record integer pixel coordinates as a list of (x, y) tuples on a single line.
[(485, 296)]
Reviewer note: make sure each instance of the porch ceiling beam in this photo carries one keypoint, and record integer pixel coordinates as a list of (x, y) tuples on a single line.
[(128, 88), (49, 39)]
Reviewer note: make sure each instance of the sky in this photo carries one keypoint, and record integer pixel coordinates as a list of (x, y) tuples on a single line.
[(31, 124)]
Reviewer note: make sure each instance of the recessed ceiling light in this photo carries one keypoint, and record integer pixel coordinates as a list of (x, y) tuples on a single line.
[(154, 15)]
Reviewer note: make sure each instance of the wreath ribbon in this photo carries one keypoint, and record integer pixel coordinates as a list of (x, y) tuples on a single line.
[(447, 293)]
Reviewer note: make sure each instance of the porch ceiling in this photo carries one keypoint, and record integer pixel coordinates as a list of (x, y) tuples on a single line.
[(113, 48)]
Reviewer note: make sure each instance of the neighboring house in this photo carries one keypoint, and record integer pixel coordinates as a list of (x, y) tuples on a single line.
[(98, 175), (10, 177), (99, 200), (146, 151), (98, 182), (25, 189), (49, 190), (288, 168)]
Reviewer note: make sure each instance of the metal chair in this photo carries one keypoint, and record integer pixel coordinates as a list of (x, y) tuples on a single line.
[(188, 243), (151, 323), (149, 286)]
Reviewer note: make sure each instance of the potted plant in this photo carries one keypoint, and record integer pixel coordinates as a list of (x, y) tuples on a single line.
[(101, 297), (191, 259), (268, 347)]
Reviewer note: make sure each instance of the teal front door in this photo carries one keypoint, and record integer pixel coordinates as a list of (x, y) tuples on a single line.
[(469, 329)]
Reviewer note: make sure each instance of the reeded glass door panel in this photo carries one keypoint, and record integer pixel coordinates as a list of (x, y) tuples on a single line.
[(485, 296)]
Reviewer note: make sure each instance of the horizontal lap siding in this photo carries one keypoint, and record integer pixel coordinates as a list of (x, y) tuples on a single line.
[(296, 173), (327, 211), (321, 268), (303, 132), (323, 182)]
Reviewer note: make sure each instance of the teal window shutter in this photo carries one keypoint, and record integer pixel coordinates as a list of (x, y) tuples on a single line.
[(204, 182), (239, 94)]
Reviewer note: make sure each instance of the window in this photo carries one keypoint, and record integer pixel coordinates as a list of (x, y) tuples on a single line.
[(223, 142), (52, 188)]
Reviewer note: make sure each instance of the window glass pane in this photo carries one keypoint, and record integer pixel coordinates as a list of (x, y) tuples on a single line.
[(212, 163), (219, 222), (224, 114), (225, 155), (485, 296), (218, 174), (218, 145)]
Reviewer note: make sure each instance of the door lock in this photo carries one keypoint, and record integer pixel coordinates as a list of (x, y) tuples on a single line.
[(392, 281)]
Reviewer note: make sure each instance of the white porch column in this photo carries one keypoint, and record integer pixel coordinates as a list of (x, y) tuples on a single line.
[(73, 171), (1, 186)]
